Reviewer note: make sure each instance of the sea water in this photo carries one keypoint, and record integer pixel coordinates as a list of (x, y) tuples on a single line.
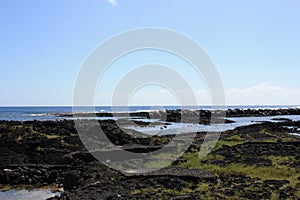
[(50, 113)]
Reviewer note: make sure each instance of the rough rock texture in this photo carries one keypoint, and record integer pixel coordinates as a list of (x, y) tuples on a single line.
[(260, 161)]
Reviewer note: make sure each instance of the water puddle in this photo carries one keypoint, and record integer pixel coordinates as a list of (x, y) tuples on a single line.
[(294, 130), (32, 194), (176, 128), (296, 134)]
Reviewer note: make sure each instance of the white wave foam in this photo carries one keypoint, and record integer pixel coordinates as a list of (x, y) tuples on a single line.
[(39, 115)]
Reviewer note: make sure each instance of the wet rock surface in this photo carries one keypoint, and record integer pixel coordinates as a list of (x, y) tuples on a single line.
[(260, 161)]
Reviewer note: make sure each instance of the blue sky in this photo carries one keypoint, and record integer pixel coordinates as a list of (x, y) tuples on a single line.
[(255, 46)]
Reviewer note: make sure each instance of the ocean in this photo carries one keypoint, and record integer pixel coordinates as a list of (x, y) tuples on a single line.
[(47, 113)]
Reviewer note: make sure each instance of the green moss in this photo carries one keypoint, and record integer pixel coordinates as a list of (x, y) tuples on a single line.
[(156, 140), (266, 133), (166, 192), (51, 136), (156, 164), (228, 143), (276, 172), (297, 193), (136, 191), (234, 138), (281, 164), (116, 131), (208, 147), (164, 156), (38, 148), (289, 139), (274, 196), (19, 139), (203, 187), (263, 131), (270, 140), (278, 160)]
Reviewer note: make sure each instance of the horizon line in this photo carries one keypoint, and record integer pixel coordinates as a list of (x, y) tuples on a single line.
[(148, 105)]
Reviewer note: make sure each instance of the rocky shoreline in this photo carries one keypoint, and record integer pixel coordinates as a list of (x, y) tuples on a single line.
[(260, 161), (203, 116)]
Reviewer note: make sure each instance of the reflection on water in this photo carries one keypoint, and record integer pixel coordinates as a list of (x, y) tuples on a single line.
[(294, 130), (296, 134), (35, 194), (175, 128)]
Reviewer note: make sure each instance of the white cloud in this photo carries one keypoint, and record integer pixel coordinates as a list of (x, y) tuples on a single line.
[(261, 94), (113, 2), (264, 93)]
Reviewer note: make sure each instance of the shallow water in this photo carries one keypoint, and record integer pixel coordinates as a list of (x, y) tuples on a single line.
[(176, 128), (35, 194), (296, 134)]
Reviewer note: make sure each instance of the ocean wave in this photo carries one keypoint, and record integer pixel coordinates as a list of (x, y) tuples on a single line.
[(38, 115)]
